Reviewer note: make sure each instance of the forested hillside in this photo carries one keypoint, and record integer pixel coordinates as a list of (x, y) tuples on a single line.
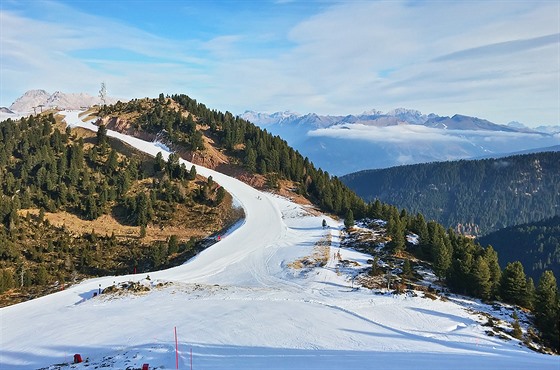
[(76, 203), (474, 197), (536, 245), (246, 146)]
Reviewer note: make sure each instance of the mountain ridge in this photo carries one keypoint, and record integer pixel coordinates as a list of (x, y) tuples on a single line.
[(402, 115), (490, 193), (373, 139), (39, 98)]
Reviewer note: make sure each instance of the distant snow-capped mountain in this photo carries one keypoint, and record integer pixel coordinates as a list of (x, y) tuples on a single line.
[(374, 139), (546, 129), (460, 122), (394, 117), (34, 99), (5, 110)]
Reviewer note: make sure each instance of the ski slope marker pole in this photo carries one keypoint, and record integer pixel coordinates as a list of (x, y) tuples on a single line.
[(176, 350)]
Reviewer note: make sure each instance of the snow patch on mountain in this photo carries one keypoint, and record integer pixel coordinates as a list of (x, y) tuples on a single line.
[(35, 100), (6, 110)]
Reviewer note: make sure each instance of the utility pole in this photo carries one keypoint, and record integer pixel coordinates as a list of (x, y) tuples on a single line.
[(103, 93)]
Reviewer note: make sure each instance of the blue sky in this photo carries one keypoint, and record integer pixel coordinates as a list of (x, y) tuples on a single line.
[(498, 60)]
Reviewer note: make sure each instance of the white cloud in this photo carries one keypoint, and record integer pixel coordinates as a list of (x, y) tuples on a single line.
[(223, 46), (38, 54), (399, 134), (496, 60), (363, 55), (388, 134)]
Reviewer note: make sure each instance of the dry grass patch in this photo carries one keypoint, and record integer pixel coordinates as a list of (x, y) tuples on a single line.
[(319, 257), (106, 225), (372, 282)]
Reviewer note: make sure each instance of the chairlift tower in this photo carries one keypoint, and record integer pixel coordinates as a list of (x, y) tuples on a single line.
[(103, 93)]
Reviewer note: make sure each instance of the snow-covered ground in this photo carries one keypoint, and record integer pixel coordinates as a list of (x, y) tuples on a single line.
[(238, 305)]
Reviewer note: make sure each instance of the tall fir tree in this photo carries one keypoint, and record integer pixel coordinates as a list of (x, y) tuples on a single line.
[(101, 135), (547, 309), (349, 220), (442, 254), (513, 285), (491, 257), (396, 230), (481, 275)]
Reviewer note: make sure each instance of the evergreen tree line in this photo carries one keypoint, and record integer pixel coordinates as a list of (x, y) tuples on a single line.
[(468, 268), (536, 245), (43, 168), (263, 153), (157, 116), (489, 193), (255, 149)]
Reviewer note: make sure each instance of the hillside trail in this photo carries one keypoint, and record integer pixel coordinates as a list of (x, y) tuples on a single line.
[(252, 255)]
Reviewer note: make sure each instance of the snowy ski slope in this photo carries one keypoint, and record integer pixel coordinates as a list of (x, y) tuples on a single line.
[(237, 305)]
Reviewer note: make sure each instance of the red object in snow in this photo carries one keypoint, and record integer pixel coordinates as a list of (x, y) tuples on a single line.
[(146, 367), (77, 358)]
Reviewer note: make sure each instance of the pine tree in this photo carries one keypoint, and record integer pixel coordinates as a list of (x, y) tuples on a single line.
[(172, 244), (491, 257), (396, 230), (144, 211), (112, 162), (142, 231), (530, 293), (407, 270), (101, 135), (172, 165), (420, 227), (481, 275), (159, 164), (513, 286), (251, 159), (6, 280), (441, 256), (547, 309), (192, 173), (516, 332), (375, 267), (220, 195), (42, 276), (91, 210), (349, 220)]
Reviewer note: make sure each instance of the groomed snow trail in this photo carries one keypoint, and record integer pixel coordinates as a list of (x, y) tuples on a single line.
[(237, 305)]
